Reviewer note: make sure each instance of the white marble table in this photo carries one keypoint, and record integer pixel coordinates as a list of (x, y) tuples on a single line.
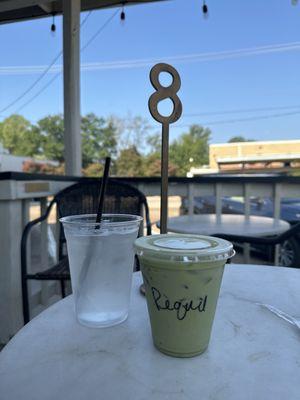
[(235, 224), (211, 224), (253, 353)]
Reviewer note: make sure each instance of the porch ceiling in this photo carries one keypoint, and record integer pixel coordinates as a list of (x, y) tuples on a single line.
[(21, 10)]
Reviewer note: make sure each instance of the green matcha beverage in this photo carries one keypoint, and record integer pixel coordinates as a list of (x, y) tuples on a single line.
[(182, 276)]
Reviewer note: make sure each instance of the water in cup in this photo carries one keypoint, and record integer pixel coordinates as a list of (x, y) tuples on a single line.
[(101, 266)]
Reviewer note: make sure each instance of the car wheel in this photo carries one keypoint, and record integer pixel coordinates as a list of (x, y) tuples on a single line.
[(289, 254)]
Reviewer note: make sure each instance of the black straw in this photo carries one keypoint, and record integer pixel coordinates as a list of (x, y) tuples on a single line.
[(102, 190)]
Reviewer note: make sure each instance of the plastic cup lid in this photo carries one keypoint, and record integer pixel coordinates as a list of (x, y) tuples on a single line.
[(184, 248)]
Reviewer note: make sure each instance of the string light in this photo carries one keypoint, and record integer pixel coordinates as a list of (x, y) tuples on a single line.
[(53, 26), (204, 9), (122, 15)]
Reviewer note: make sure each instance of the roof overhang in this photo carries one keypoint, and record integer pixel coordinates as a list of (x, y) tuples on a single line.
[(22, 10), (259, 158)]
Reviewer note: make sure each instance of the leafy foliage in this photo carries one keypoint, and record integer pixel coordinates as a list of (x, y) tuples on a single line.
[(153, 166), (131, 131), (19, 137), (99, 139), (190, 149), (238, 139), (51, 131), (94, 169), (125, 142), (42, 168), (130, 163)]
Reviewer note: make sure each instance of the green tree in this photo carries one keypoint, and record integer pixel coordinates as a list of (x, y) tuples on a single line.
[(190, 149), (99, 139), (130, 163), (18, 136), (1, 128), (94, 169), (152, 165), (131, 132), (51, 130), (154, 143), (237, 139)]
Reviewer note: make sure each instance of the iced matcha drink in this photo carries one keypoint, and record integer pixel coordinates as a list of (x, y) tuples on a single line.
[(182, 276)]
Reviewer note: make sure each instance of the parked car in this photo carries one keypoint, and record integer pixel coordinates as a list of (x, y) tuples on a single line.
[(260, 206)]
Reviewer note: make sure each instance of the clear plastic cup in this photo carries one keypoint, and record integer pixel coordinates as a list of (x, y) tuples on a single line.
[(101, 259), (182, 276)]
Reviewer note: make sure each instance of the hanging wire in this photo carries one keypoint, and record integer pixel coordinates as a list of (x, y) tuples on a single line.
[(102, 27), (40, 77), (99, 31)]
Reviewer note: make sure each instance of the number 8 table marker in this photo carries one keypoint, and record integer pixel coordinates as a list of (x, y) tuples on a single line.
[(162, 93)]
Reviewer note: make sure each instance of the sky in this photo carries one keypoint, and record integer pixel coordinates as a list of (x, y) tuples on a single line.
[(239, 67)]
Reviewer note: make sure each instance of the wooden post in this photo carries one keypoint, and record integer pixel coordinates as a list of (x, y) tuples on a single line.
[(247, 211), (71, 59), (247, 203), (13, 218), (218, 191), (191, 199), (277, 212)]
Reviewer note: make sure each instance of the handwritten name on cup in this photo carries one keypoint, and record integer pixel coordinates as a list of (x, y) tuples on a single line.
[(182, 307)]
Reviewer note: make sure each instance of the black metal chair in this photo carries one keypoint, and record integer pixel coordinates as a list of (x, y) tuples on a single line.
[(80, 198), (267, 241)]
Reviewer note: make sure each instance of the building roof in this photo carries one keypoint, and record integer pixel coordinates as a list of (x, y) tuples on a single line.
[(258, 158), (21, 10), (256, 143)]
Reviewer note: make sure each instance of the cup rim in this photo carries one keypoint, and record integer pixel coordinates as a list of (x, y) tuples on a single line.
[(145, 247), (76, 220)]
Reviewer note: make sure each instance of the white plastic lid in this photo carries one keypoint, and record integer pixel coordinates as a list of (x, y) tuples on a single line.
[(184, 248)]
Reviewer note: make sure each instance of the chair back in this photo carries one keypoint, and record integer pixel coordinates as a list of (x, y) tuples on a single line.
[(83, 198)]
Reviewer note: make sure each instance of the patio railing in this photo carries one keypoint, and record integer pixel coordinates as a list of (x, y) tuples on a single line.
[(18, 191)]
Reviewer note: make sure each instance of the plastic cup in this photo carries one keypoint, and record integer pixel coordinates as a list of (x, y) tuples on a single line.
[(101, 259), (182, 276)]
